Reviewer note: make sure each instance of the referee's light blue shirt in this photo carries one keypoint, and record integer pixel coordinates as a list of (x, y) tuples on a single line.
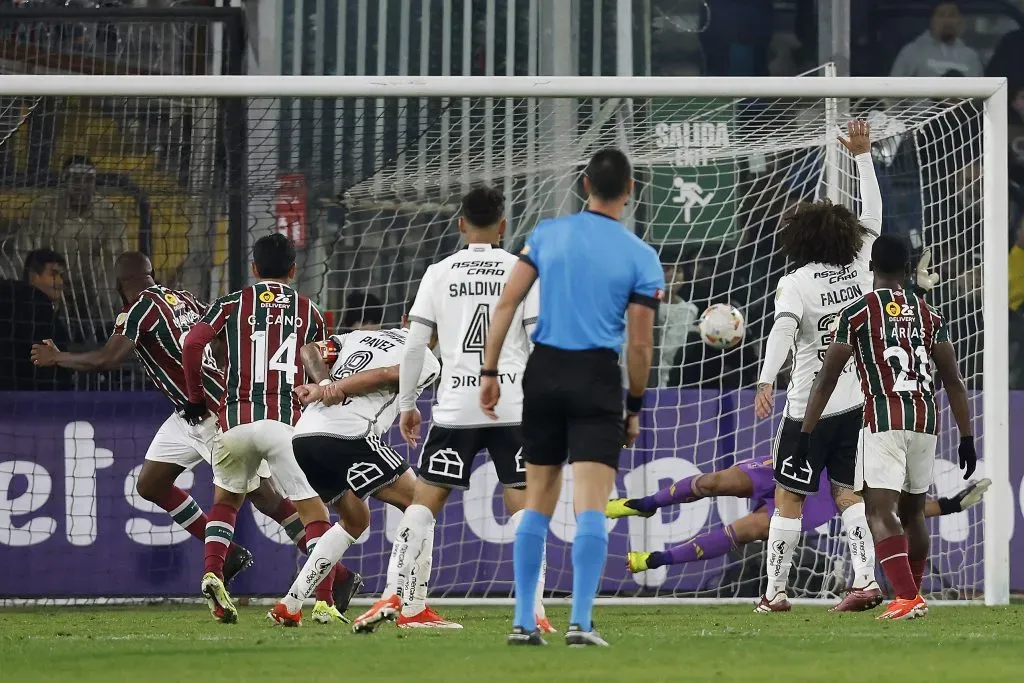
[(590, 268)]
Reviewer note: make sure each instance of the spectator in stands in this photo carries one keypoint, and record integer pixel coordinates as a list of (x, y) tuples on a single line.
[(939, 50), (363, 311), (676, 324), (88, 232), (29, 313)]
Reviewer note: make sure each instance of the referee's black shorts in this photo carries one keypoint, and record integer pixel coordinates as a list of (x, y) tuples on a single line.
[(572, 407)]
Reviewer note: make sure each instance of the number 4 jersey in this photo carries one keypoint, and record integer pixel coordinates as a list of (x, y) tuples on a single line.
[(263, 327), (892, 335), (456, 297)]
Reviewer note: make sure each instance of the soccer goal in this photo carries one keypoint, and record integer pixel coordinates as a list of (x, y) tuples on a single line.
[(373, 202)]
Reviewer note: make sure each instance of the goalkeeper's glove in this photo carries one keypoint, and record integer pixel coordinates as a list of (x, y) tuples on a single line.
[(925, 281), (968, 456), (194, 413), (967, 498)]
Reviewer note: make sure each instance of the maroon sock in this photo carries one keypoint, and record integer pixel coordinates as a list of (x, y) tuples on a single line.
[(892, 555), (220, 529), (917, 568), (185, 511), (288, 517)]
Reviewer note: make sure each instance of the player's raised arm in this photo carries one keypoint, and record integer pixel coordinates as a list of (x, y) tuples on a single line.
[(518, 286), (945, 362), (859, 145)]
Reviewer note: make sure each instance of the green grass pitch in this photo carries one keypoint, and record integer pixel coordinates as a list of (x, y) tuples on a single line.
[(686, 643)]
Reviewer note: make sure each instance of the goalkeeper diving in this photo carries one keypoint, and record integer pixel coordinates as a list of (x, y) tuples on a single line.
[(750, 479)]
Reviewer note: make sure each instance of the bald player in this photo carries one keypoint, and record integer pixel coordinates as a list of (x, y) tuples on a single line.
[(152, 323)]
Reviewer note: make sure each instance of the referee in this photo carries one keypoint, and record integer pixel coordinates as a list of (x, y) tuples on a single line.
[(593, 274)]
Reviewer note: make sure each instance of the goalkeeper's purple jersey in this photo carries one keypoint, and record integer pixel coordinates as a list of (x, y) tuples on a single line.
[(818, 509)]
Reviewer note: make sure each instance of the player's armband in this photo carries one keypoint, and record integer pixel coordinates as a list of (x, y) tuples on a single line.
[(328, 350)]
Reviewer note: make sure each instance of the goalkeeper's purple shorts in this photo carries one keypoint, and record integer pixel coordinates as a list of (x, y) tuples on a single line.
[(818, 508)]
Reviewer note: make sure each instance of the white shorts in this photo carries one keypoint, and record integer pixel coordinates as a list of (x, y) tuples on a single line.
[(896, 460), (240, 451), (179, 443)]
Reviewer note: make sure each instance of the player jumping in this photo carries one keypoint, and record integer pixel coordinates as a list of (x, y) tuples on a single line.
[(748, 479), (153, 323), (263, 325), (893, 336), (455, 298), (338, 445), (829, 247)]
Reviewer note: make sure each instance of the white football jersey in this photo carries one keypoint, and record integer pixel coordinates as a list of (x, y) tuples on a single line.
[(456, 297), (814, 295), (373, 412)]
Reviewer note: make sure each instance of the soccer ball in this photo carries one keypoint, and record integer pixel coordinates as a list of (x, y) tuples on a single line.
[(721, 326)]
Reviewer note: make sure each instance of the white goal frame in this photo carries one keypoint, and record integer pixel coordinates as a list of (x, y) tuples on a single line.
[(998, 511)]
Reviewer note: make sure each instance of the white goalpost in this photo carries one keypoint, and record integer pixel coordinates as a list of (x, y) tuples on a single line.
[(719, 161)]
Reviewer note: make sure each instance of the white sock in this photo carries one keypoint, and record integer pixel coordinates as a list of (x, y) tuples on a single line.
[(419, 580), (538, 600), (862, 546), (416, 523), (325, 554), (783, 536)]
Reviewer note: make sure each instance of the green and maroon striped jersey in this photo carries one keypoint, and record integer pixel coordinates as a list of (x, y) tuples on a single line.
[(264, 326), (157, 322), (892, 335)]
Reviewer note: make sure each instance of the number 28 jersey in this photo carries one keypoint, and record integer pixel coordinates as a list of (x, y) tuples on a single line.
[(264, 326), (457, 297), (893, 335), (375, 411)]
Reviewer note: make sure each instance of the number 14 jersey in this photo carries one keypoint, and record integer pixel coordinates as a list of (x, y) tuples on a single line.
[(264, 326), (457, 297), (892, 335)]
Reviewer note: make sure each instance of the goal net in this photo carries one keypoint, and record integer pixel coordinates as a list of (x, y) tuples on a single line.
[(368, 185)]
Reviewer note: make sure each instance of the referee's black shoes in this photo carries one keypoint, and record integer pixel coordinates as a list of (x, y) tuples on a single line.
[(577, 637), (520, 636)]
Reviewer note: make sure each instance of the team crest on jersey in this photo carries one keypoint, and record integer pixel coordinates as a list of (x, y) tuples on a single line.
[(121, 319), (171, 299)]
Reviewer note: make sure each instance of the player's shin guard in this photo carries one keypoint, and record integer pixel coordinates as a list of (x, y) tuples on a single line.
[(185, 512), (419, 578), (892, 555), (862, 546), (416, 523), (714, 543), (527, 556), (783, 536), (683, 491), (538, 602), (326, 552), (219, 532), (589, 552), (288, 517)]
